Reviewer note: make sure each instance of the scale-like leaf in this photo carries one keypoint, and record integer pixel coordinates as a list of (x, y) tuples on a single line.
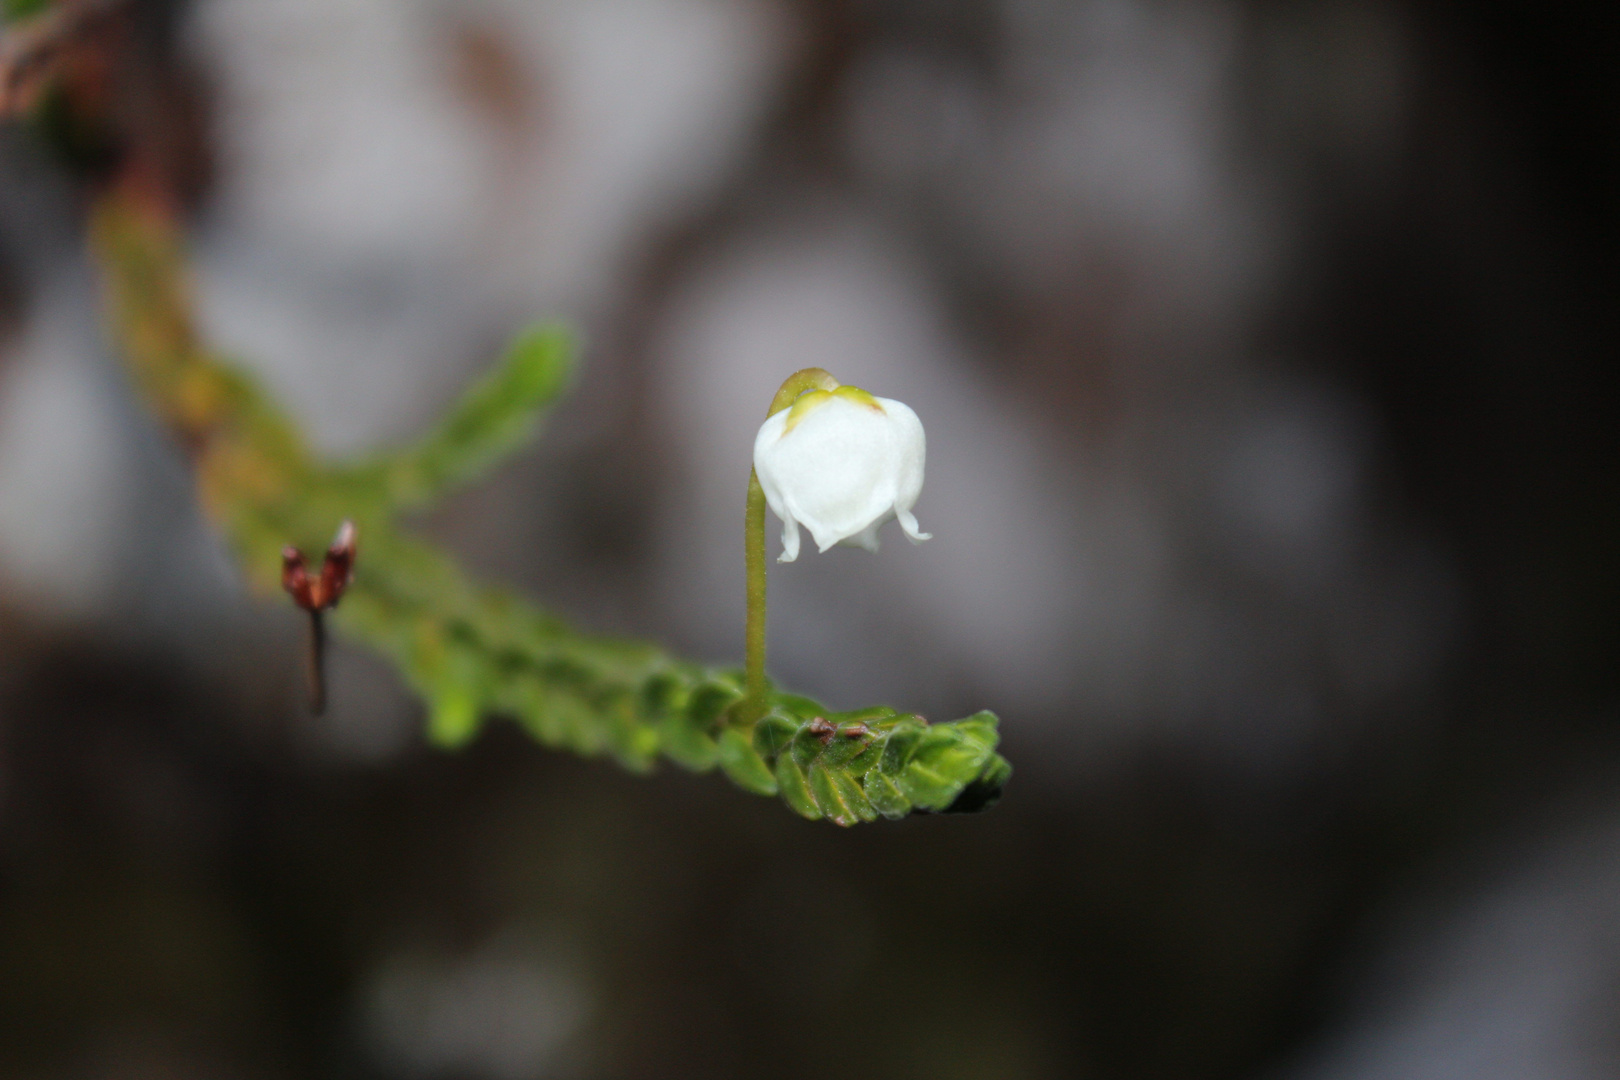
[(472, 652)]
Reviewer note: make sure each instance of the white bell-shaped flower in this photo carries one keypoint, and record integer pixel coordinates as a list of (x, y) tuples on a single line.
[(841, 463)]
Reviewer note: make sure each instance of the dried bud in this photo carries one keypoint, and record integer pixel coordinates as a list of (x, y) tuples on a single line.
[(295, 577), (337, 571)]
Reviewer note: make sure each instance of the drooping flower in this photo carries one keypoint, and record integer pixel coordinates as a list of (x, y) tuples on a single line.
[(841, 462)]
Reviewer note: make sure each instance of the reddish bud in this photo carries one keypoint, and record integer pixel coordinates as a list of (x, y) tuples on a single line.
[(295, 577), (315, 595), (337, 571)]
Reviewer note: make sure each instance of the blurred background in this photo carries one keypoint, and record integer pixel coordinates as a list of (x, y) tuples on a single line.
[(1271, 475)]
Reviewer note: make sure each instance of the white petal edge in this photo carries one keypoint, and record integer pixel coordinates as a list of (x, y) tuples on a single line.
[(790, 540), (868, 537), (908, 524)]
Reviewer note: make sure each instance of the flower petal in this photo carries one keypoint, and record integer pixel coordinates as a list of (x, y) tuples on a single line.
[(908, 524), (841, 464), (790, 540), (868, 537), (836, 469)]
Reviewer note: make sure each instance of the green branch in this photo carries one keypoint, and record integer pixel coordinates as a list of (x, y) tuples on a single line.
[(473, 651)]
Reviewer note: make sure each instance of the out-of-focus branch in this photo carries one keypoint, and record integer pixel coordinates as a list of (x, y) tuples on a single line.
[(32, 53)]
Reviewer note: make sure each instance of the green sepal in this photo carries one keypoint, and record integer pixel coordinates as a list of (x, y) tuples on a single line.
[(996, 773), (795, 788), (867, 760), (453, 716), (839, 796), (710, 699), (798, 706), (805, 747), (452, 678), (581, 732), (885, 797), (873, 716), (944, 762), (531, 705), (900, 745), (664, 702), (745, 767), (847, 743), (773, 733), (981, 725), (664, 694), (688, 747), (635, 745), (984, 792)]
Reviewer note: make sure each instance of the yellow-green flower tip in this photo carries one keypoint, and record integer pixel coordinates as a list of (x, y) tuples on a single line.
[(859, 396), (805, 404), (799, 383), (811, 400)]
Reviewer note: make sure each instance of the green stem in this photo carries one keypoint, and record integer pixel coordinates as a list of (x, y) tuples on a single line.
[(810, 378), (754, 549), (754, 644)]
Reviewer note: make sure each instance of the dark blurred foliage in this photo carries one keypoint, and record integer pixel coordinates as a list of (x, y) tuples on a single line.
[(186, 891)]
